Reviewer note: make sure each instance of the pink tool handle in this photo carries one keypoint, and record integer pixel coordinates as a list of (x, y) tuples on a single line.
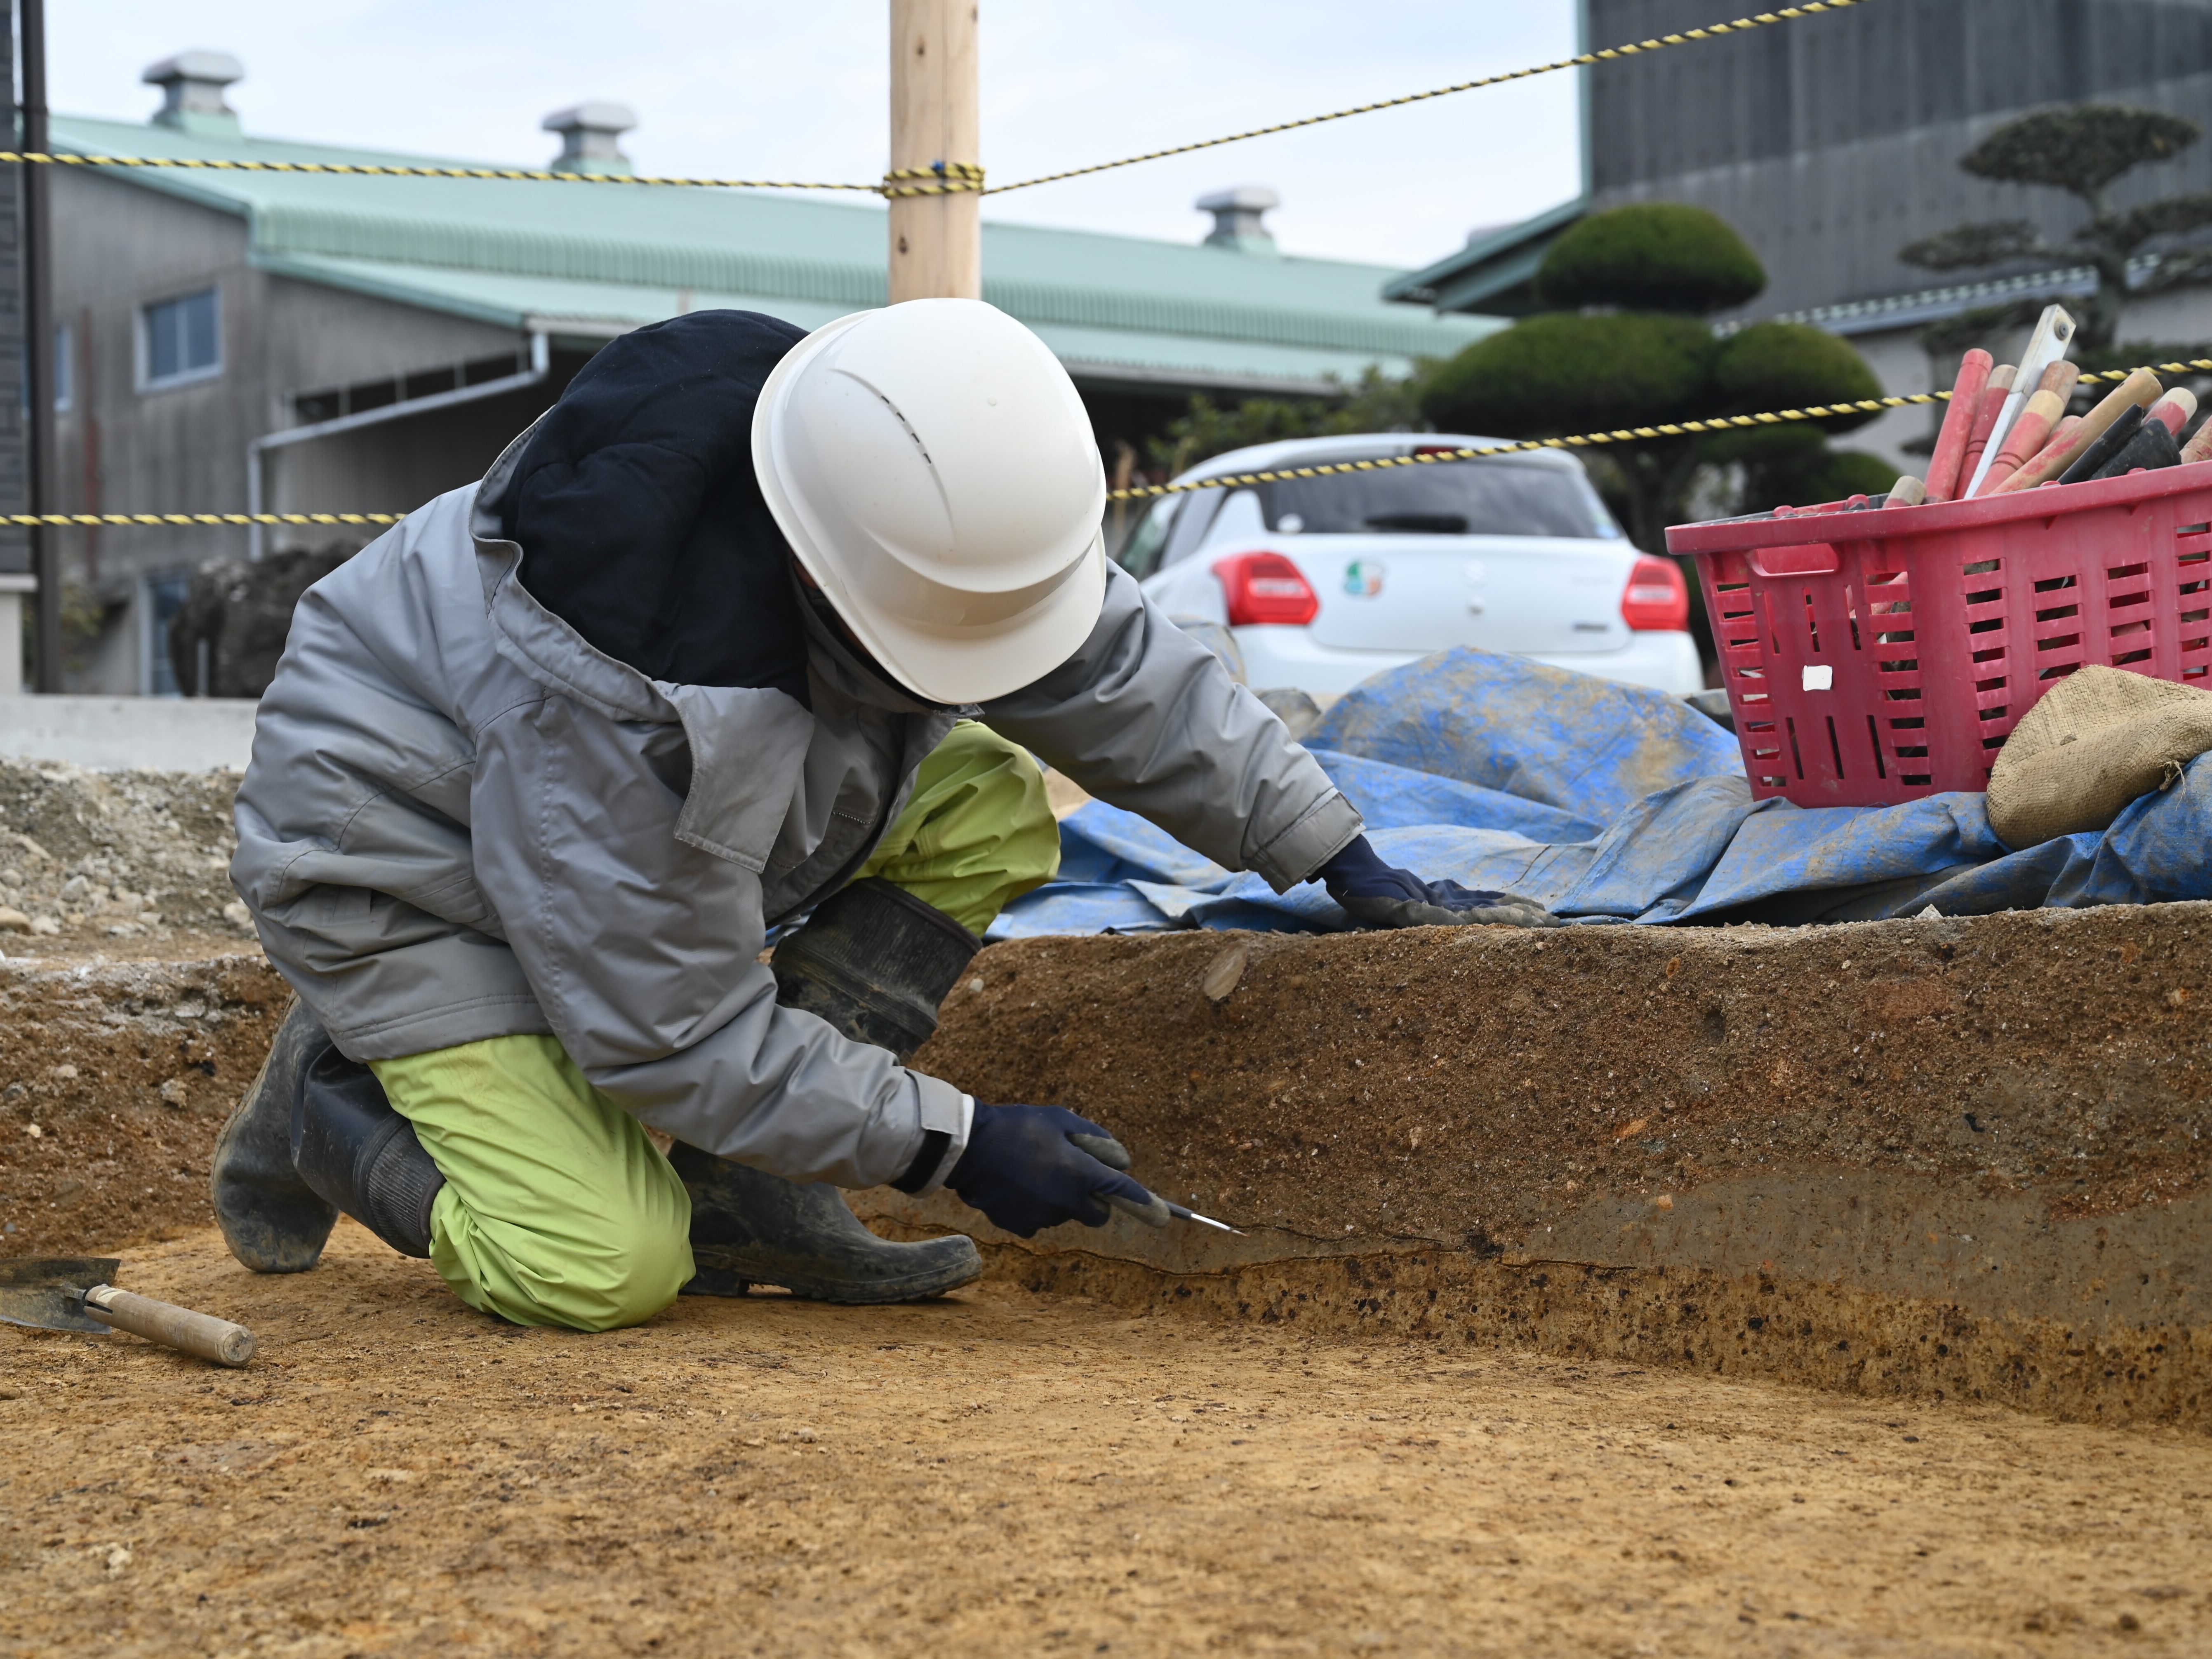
[(1958, 425)]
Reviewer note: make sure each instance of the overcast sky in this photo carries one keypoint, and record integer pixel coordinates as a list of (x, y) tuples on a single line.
[(758, 90)]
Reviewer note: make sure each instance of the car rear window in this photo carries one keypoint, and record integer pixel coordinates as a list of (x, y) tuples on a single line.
[(1444, 498)]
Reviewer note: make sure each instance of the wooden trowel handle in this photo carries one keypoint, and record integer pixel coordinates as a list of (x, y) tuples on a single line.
[(171, 1326)]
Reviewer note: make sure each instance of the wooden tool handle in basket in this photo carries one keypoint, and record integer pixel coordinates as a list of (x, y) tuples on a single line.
[(173, 1327)]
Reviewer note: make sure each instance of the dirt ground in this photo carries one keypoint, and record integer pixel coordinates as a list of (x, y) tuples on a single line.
[(1016, 1471), (129, 864), (1002, 1474), (114, 1076)]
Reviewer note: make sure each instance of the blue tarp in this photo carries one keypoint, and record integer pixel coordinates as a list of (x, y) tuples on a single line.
[(1610, 803)]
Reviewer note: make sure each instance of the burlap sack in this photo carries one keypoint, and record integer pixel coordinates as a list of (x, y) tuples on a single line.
[(2100, 737)]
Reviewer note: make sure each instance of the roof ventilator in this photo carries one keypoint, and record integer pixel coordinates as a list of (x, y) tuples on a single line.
[(1239, 224), (191, 84), (591, 135)]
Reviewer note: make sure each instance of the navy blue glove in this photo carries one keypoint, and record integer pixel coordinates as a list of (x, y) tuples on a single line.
[(1379, 895), (1032, 1167)]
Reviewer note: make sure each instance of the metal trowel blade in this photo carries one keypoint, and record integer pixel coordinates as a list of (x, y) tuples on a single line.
[(48, 1292), (1181, 1214)]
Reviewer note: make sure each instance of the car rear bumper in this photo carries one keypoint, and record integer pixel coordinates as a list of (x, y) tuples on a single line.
[(1284, 656)]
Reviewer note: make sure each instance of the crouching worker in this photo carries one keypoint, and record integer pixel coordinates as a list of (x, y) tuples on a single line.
[(751, 627)]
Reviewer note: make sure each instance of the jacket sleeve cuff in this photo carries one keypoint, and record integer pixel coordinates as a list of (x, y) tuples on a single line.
[(1328, 827), (946, 1117)]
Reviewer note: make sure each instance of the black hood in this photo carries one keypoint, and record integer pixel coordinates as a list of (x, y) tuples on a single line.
[(640, 523)]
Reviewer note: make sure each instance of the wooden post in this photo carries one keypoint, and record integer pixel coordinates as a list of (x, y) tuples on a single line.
[(936, 240), (39, 350)]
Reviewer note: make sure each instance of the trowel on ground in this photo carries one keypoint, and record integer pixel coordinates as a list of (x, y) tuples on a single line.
[(71, 1293)]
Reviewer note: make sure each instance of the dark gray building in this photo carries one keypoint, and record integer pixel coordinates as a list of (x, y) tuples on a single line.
[(1832, 141), (15, 493)]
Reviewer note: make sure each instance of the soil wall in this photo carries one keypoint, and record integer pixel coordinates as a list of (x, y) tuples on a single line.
[(1963, 1158), (114, 1077), (1955, 1156)]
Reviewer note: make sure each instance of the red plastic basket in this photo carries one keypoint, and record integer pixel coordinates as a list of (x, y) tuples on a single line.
[(1877, 655)]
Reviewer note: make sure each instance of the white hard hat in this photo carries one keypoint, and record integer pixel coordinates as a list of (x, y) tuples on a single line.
[(934, 471)]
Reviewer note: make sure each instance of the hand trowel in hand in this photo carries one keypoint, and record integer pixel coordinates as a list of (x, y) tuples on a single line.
[(72, 1293)]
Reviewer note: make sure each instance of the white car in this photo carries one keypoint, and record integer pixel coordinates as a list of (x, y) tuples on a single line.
[(1327, 580)]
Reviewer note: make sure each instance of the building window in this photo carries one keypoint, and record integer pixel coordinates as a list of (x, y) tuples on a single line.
[(182, 339), (332, 402), (64, 369)]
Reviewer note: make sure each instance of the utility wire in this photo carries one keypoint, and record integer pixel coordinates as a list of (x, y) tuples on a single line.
[(943, 178), (1610, 54)]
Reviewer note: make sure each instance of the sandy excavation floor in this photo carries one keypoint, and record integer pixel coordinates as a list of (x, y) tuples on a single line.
[(1003, 1473), (996, 1473)]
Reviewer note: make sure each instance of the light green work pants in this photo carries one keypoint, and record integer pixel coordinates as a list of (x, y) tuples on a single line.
[(556, 1209)]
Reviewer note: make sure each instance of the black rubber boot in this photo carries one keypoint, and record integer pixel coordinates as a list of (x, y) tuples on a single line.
[(749, 1227), (874, 961), (272, 1220), (351, 1147)]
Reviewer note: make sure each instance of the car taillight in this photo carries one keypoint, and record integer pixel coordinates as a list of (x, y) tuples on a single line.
[(1266, 587), (1657, 598)]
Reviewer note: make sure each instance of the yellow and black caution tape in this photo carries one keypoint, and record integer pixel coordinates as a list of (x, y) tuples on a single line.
[(941, 178), (1627, 435), (198, 517), (944, 178), (374, 170), (1609, 54), (1619, 435)]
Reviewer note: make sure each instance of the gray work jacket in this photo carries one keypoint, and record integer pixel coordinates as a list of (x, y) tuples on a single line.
[(461, 822)]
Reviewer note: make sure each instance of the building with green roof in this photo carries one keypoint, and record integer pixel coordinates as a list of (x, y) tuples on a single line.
[(303, 342)]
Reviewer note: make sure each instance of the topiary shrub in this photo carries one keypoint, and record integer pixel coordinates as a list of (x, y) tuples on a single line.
[(1778, 366), (1650, 256), (242, 613), (1549, 375), (1652, 362), (1775, 366), (2081, 149)]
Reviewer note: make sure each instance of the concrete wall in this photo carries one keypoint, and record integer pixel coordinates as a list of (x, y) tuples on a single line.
[(167, 734)]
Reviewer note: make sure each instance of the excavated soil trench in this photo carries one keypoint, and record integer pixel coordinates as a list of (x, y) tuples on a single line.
[(1952, 1157), (1512, 1200), (1956, 1158), (114, 1077)]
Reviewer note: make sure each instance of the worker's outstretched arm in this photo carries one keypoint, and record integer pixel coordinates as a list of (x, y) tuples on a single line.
[(1145, 717)]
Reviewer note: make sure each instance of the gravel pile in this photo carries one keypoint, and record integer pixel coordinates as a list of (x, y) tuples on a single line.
[(87, 858)]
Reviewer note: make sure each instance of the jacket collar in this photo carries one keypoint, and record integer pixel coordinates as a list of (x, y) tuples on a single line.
[(746, 742)]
